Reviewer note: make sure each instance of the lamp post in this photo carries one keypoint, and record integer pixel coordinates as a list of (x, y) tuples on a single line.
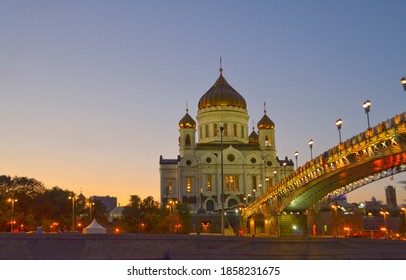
[(73, 211), (222, 180), (171, 206), (284, 168), (335, 207), (274, 176), (367, 108), (385, 213), (296, 155), (311, 142), (339, 123), (90, 204), (12, 201), (403, 82), (267, 183)]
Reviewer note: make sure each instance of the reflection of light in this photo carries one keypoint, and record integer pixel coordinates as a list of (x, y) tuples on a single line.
[(294, 227)]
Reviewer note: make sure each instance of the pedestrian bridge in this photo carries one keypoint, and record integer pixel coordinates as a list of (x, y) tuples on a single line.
[(374, 154)]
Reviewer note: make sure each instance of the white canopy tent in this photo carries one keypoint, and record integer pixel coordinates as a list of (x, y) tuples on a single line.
[(94, 228)]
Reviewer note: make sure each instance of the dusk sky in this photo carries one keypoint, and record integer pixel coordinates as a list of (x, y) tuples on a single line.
[(91, 92)]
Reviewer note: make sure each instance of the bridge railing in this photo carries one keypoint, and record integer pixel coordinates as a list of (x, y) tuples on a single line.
[(320, 164)]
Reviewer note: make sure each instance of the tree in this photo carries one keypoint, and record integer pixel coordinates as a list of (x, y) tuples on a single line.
[(184, 215), (142, 216)]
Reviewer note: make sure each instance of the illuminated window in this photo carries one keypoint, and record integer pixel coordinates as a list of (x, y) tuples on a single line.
[(169, 188), (209, 182), (225, 130), (188, 185), (215, 130), (267, 141), (232, 183)]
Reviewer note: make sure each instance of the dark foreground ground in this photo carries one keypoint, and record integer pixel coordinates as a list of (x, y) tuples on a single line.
[(193, 247)]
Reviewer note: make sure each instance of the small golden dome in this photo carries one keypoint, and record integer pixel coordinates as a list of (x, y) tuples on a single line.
[(266, 123), (187, 121), (253, 138)]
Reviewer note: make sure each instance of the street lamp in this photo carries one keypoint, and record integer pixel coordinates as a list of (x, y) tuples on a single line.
[(267, 183), (12, 200), (335, 207), (90, 204), (296, 155), (222, 180), (367, 108), (403, 82), (339, 123), (311, 142), (171, 206), (73, 211), (284, 168), (384, 213), (274, 176)]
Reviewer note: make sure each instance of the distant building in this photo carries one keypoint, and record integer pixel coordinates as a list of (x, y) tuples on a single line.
[(391, 197), (115, 214), (373, 205), (108, 201)]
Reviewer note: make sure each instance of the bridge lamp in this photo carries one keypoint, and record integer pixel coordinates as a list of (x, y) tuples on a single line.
[(339, 124), (296, 154), (311, 142), (367, 108), (274, 175), (403, 82)]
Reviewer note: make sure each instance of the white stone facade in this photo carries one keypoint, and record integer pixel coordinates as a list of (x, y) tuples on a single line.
[(250, 164)]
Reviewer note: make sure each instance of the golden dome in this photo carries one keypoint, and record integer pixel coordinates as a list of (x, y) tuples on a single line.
[(253, 138), (266, 123), (187, 121), (222, 94)]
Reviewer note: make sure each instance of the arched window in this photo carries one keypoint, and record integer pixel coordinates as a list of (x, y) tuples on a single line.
[(232, 183), (189, 185), (210, 205), (267, 141), (207, 131), (208, 182), (225, 130), (235, 130), (188, 142), (215, 130), (169, 187), (232, 202), (242, 131)]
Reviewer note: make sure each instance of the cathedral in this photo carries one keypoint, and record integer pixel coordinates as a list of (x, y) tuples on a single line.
[(217, 154)]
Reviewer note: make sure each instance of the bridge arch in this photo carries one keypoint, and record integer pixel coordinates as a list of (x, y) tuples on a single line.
[(375, 154)]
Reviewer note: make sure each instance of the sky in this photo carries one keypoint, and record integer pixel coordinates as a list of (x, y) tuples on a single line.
[(91, 92)]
